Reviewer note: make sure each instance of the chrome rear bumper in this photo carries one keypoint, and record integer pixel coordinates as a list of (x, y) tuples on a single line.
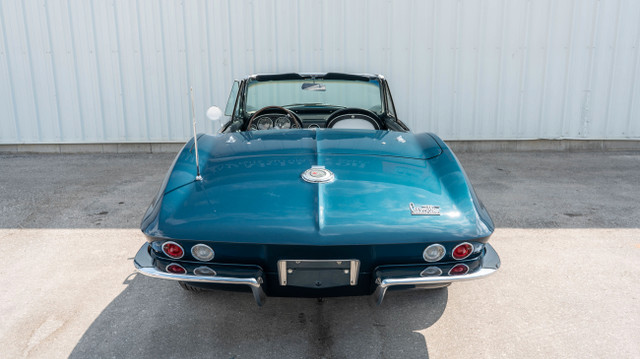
[(385, 280), (385, 277), (144, 265)]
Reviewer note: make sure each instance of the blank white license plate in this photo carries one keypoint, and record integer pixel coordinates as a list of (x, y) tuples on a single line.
[(318, 273)]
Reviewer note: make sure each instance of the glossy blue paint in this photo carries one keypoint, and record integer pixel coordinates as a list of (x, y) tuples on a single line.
[(254, 209), (252, 192)]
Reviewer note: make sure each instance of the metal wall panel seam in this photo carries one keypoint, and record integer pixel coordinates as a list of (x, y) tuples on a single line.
[(77, 75), (587, 99), (546, 65), (366, 37), (344, 31), (388, 43), (167, 126), (456, 64), (122, 128), (98, 67), (209, 57), (481, 31), (190, 79), (253, 40), (612, 70), (523, 66), (299, 44), (54, 70), (31, 74), (9, 72), (142, 73), (634, 95), (412, 12), (318, 49), (274, 16), (498, 110), (568, 70), (231, 67), (434, 30)]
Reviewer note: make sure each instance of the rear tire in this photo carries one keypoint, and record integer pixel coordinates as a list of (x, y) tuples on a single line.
[(190, 288)]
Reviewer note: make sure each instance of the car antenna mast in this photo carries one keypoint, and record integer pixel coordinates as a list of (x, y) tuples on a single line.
[(195, 137)]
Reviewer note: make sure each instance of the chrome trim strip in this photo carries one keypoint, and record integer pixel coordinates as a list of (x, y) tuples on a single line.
[(143, 264), (353, 272), (282, 272), (490, 264)]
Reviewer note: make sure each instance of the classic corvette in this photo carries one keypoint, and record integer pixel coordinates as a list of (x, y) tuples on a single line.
[(314, 188)]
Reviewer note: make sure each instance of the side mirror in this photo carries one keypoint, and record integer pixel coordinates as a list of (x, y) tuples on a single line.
[(214, 113)]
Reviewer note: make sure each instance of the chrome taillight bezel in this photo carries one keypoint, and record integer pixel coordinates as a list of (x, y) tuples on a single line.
[(167, 254), (429, 260), (436, 273), (200, 245), (177, 265), (468, 254), (210, 272), (457, 265)]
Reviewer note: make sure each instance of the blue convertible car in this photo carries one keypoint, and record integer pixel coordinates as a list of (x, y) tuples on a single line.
[(314, 188)]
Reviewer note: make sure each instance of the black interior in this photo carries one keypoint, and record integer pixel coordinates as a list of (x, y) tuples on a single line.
[(359, 113), (313, 116), (318, 117)]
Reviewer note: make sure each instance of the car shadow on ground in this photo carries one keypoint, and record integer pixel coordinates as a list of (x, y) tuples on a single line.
[(153, 318)]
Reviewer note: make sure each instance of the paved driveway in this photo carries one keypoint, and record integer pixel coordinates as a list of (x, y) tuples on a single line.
[(568, 235)]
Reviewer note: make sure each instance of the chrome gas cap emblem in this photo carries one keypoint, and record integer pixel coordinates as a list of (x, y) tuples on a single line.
[(318, 174)]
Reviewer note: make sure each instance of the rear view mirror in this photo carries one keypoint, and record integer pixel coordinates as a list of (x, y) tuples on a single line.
[(308, 86), (214, 113)]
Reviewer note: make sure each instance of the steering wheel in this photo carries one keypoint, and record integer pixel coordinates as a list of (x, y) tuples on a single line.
[(261, 118), (355, 114)]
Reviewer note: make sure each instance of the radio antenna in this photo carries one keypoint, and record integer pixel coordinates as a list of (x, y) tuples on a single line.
[(195, 138)]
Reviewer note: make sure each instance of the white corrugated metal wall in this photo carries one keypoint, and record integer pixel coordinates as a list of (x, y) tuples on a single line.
[(83, 71)]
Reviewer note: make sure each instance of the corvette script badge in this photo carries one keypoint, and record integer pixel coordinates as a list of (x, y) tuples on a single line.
[(424, 210)]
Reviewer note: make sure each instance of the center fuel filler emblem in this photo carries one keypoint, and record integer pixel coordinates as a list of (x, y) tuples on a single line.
[(318, 174)]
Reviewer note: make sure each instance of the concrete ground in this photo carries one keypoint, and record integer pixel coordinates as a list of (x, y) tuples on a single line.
[(568, 233)]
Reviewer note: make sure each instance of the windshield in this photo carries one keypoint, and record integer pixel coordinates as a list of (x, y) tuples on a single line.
[(318, 92)]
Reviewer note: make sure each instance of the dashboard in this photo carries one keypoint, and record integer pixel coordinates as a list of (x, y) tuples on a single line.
[(273, 121), (284, 122), (277, 118)]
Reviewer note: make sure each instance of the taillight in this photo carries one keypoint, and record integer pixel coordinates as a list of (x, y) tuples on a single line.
[(433, 253), (431, 272), (462, 251), (172, 250), (459, 269), (202, 252), (206, 271), (176, 268)]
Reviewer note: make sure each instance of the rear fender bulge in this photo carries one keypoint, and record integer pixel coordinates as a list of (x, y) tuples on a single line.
[(181, 172), (451, 172)]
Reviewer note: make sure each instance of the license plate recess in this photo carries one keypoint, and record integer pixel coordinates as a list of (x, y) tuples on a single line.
[(318, 273)]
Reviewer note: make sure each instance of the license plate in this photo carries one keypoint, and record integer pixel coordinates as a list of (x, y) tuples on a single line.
[(318, 273)]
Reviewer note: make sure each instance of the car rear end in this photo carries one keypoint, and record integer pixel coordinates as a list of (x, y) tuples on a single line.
[(382, 221)]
